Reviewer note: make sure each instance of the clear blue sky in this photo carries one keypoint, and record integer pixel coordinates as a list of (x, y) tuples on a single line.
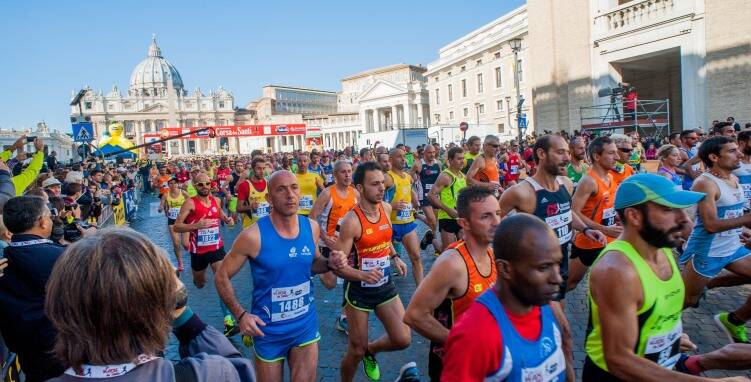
[(51, 47)]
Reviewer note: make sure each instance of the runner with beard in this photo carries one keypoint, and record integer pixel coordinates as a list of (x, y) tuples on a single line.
[(593, 203), (635, 289), (578, 166), (547, 195), (473, 145), (200, 216), (444, 195), (460, 274), (369, 287), (427, 170), (714, 244)]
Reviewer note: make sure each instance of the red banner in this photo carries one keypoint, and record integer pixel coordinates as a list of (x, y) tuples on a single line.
[(235, 131)]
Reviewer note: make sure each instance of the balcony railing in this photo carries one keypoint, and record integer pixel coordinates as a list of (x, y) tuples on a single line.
[(640, 14)]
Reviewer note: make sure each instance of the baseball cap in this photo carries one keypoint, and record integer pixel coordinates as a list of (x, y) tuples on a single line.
[(642, 188), (49, 182)]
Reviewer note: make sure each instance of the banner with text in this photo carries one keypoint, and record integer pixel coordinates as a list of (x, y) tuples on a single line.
[(232, 131)]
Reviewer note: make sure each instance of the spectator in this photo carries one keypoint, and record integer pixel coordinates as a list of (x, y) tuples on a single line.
[(52, 161), (732, 122), (23, 322), (7, 188), (5, 237), (82, 308), (30, 173), (651, 152), (52, 186)]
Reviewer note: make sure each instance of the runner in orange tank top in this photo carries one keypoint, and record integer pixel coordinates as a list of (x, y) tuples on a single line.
[(462, 273), (484, 169), (593, 202)]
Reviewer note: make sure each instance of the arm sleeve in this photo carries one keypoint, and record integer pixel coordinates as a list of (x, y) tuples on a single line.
[(483, 336), (208, 351), (7, 189), (24, 179)]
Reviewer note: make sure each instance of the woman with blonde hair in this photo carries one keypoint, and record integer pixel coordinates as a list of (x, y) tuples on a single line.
[(669, 157), (113, 298)]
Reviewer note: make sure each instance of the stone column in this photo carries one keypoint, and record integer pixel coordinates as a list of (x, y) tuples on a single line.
[(394, 118), (420, 116), (376, 120), (408, 115)]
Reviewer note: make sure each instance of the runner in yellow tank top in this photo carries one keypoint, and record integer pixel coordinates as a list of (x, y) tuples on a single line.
[(251, 194), (404, 202), (310, 184), (171, 202)]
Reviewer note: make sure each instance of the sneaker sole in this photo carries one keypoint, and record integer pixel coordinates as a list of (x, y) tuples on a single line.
[(725, 330)]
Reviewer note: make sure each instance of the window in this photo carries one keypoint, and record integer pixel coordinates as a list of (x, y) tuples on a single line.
[(451, 116), (221, 105), (463, 68), (448, 74), (497, 55), (499, 105), (501, 128), (465, 111), (451, 93), (498, 77), (479, 83), (437, 118), (481, 109), (437, 97), (464, 88), (479, 62), (436, 78), (519, 70), (88, 105)]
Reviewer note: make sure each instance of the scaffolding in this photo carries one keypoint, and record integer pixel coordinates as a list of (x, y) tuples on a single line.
[(650, 119)]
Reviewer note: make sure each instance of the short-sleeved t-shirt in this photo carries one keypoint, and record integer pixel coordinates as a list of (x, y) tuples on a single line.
[(477, 329)]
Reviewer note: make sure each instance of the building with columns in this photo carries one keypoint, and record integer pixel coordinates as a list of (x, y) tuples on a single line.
[(56, 141), (156, 98), (473, 81), (694, 53)]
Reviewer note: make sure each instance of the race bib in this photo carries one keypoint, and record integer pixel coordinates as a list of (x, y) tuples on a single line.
[(306, 202), (732, 214), (405, 214), (262, 210), (608, 217), (428, 186), (207, 236), (173, 212), (514, 169), (290, 302), (747, 191), (664, 349), (381, 263), (561, 224), (329, 178)]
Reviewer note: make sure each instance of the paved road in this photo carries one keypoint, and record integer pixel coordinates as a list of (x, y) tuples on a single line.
[(697, 322)]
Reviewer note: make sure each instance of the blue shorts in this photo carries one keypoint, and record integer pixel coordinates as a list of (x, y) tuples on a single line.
[(710, 266), (401, 230), (275, 347)]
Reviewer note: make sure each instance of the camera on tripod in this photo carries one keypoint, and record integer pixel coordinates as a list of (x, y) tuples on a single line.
[(619, 90)]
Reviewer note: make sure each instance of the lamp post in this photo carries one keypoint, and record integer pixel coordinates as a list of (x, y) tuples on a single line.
[(477, 114), (516, 46)]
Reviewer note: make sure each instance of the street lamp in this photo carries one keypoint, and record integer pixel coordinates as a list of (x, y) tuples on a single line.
[(516, 46), (477, 114)]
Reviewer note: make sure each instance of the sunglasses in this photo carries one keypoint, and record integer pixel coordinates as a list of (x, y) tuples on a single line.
[(494, 145), (625, 150), (203, 184)]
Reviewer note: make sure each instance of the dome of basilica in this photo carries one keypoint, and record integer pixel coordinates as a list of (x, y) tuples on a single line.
[(153, 74)]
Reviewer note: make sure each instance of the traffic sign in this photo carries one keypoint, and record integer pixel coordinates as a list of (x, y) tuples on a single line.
[(463, 126), (83, 132), (522, 121)]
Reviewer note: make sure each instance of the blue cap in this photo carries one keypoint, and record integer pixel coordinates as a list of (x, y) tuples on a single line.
[(642, 188)]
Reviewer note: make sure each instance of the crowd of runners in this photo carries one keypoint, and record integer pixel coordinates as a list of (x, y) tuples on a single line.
[(515, 227)]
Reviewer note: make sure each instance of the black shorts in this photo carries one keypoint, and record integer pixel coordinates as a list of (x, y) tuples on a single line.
[(368, 299), (449, 225), (199, 262), (425, 202), (564, 272), (325, 251), (586, 256), (591, 372), (170, 221)]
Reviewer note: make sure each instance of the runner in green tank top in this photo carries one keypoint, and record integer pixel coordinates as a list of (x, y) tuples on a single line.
[(636, 291), (578, 166), (443, 195)]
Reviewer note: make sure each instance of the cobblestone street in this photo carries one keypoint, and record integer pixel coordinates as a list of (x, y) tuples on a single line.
[(697, 323)]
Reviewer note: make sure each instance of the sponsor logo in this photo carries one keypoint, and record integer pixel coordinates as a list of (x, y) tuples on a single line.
[(306, 251), (293, 252), (368, 231)]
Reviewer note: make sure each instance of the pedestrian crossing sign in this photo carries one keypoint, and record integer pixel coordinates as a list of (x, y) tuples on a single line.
[(83, 132)]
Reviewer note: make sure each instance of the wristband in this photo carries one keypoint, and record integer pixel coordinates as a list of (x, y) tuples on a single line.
[(240, 317), (584, 231)]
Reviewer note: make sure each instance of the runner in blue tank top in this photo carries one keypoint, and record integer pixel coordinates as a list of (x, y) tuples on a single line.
[(282, 252)]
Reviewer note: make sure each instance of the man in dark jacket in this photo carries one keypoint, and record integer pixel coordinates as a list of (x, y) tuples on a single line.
[(31, 255)]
